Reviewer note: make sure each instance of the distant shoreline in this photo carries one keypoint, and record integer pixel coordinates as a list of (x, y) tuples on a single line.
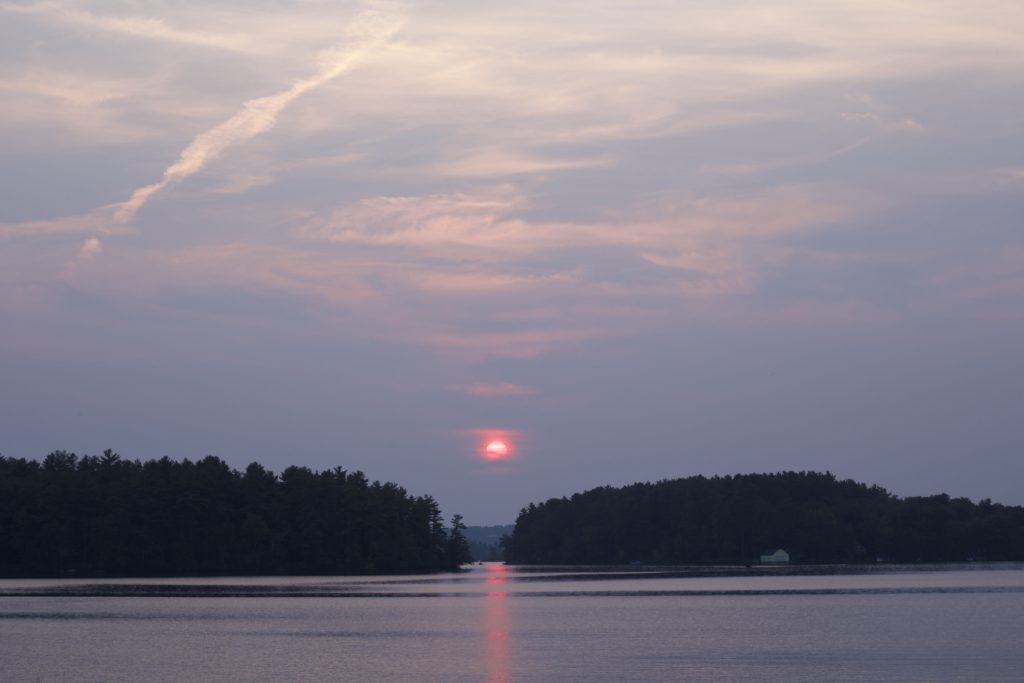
[(697, 571)]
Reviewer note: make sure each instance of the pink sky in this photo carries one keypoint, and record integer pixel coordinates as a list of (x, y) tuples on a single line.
[(646, 241)]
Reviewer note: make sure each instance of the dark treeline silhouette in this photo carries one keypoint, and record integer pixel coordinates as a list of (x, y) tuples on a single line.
[(733, 519), (104, 515)]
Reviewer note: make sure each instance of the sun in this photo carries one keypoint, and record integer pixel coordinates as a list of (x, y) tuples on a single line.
[(496, 446), (496, 450)]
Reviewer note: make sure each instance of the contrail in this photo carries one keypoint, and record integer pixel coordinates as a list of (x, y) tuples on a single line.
[(369, 31)]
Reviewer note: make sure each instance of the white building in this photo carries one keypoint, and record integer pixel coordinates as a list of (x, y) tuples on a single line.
[(778, 556)]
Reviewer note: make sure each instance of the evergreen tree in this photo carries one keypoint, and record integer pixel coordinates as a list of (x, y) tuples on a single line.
[(95, 516), (733, 519)]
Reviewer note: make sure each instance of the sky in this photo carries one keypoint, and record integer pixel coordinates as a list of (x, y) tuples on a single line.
[(631, 240)]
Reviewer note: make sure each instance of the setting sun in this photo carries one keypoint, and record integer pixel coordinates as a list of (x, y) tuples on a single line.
[(495, 445), (496, 450)]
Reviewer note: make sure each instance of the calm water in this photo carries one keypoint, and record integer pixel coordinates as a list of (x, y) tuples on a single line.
[(500, 624)]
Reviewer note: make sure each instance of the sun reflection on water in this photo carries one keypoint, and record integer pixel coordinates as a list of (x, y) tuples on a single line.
[(496, 635)]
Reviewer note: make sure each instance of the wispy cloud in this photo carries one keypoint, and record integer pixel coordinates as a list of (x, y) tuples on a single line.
[(237, 184), (90, 248), (871, 119), (496, 390), (522, 343), (101, 221), (696, 233), (367, 32), (147, 27), (502, 163), (71, 105)]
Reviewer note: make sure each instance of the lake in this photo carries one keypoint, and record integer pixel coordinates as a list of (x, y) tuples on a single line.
[(499, 624)]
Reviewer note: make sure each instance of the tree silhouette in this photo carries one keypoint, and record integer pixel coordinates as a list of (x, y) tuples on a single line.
[(96, 516), (732, 519)]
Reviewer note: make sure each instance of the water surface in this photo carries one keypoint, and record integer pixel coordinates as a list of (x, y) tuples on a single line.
[(496, 623)]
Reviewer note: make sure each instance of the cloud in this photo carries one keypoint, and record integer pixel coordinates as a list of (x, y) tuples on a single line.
[(153, 28), (237, 184), (100, 221), (796, 161), (78, 90), (905, 125), (512, 195), (498, 162), (491, 94), (703, 234), (259, 267), (497, 389), (90, 249), (520, 343), (375, 291), (70, 105), (367, 32), (469, 281)]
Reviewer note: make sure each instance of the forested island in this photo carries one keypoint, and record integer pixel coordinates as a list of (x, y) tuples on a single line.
[(734, 519), (109, 516)]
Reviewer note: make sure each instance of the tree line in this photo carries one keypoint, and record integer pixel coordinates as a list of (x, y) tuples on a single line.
[(109, 516), (733, 519)]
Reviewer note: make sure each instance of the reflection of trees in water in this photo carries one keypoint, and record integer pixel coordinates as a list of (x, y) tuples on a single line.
[(496, 635)]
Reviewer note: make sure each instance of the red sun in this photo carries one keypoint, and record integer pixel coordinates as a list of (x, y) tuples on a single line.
[(496, 446), (496, 450)]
